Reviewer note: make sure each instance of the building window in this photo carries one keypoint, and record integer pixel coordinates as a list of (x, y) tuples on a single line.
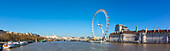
[(159, 33), (162, 33), (165, 33), (150, 32), (156, 33)]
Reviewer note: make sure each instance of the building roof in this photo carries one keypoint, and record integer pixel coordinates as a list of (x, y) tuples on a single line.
[(134, 32), (119, 25), (125, 27)]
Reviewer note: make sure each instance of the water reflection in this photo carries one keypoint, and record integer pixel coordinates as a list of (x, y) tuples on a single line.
[(83, 46)]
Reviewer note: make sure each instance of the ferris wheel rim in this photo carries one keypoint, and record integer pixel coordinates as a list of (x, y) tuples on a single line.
[(107, 21)]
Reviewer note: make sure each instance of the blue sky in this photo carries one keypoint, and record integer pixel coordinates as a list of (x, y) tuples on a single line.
[(73, 17)]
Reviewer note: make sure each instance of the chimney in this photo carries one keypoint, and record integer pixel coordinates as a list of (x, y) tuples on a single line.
[(158, 29), (122, 31), (154, 30), (167, 29), (146, 30), (116, 32)]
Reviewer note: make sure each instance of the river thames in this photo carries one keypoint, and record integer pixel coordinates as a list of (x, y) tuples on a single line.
[(84, 46)]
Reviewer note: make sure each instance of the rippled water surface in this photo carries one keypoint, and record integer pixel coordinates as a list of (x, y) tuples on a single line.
[(84, 46)]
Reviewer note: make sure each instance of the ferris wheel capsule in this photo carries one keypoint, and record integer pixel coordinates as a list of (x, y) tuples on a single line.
[(106, 14), (107, 20), (107, 23), (107, 27)]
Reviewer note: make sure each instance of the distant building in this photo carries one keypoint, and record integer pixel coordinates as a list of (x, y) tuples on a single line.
[(31, 34), (83, 37), (53, 37), (8, 32), (17, 33), (120, 28), (98, 38), (24, 34), (27, 33)]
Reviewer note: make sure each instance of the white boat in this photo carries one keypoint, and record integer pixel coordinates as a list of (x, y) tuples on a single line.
[(17, 44), (23, 43), (8, 46), (11, 45)]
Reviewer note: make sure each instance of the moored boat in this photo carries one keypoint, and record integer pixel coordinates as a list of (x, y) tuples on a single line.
[(11, 45), (8, 46), (17, 44), (30, 41), (23, 43)]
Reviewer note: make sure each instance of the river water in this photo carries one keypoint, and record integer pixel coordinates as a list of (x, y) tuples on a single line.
[(84, 46)]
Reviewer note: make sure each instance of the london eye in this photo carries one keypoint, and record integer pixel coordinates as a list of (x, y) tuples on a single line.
[(105, 30)]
